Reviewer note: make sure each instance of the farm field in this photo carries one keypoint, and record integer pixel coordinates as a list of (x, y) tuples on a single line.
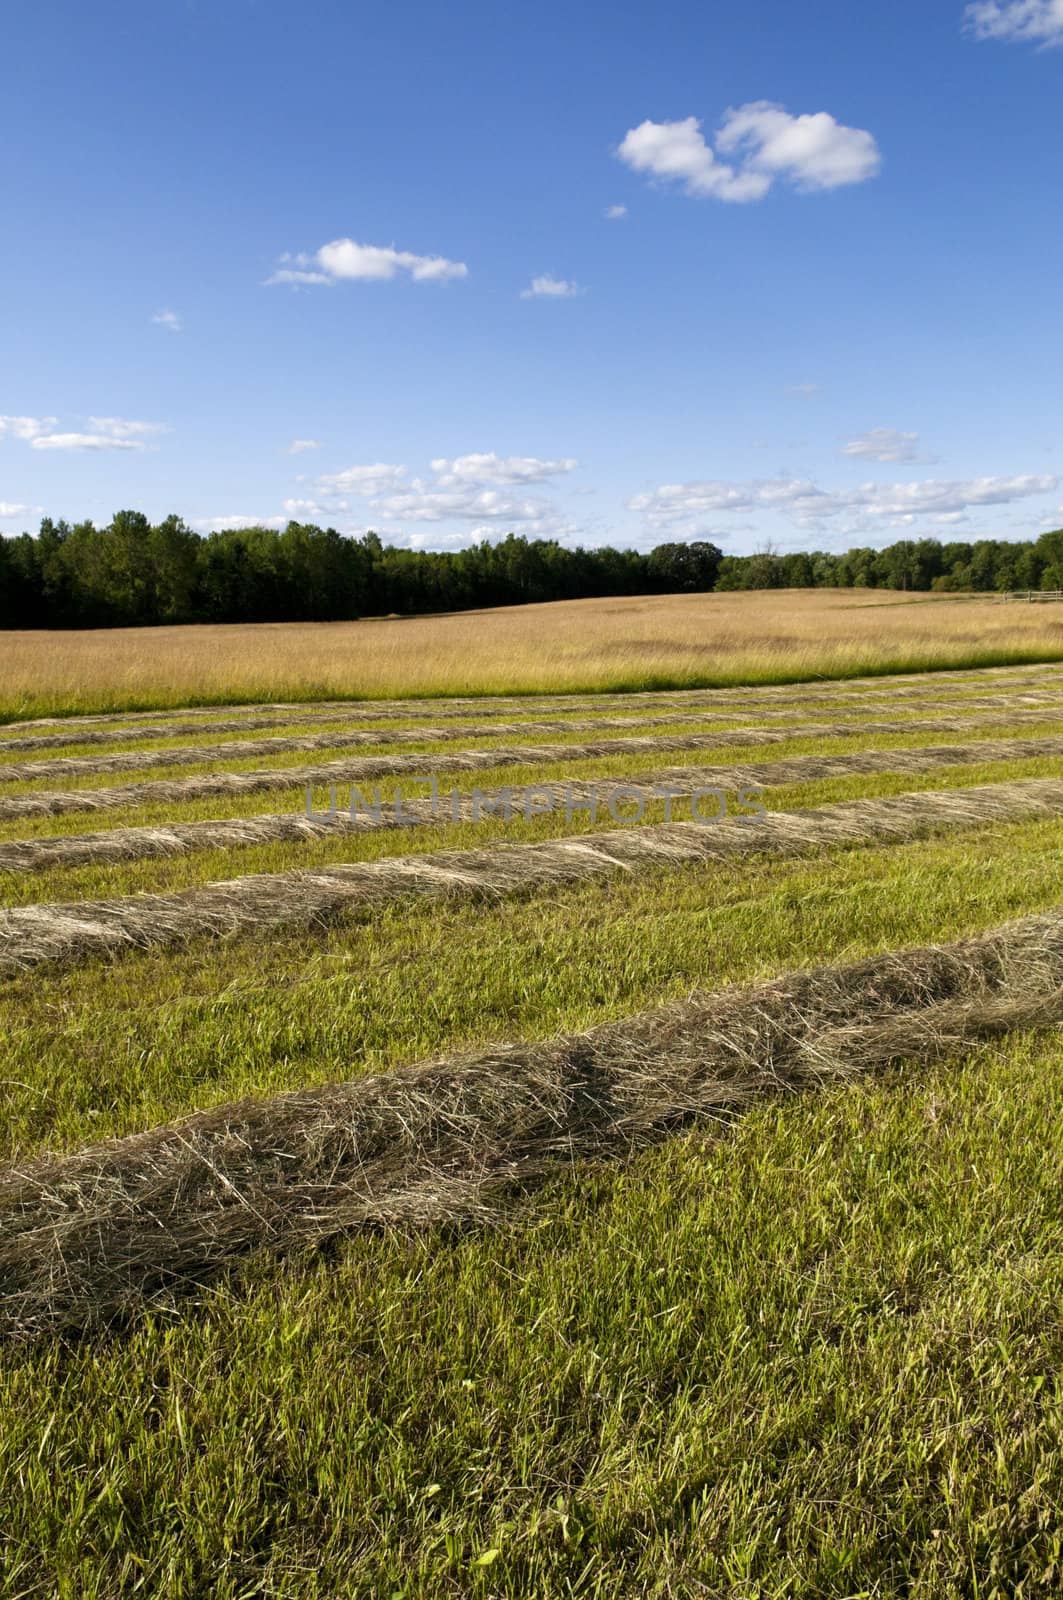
[(621, 644), (634, 1194)]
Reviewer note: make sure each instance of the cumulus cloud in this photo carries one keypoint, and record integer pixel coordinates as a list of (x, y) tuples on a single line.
[(866, 507), (10, 508), (497, 469), (299, 447), (883, 444), (169, 320), (345, 260), (476, 488), (369, 481), (550, 288), (615, 213), (767, 143), (1017, 21)]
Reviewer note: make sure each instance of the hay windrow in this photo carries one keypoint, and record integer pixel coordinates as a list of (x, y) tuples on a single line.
[(185, 838), (354, 770), (685, 709), (90, 1237), (72, 931), (242, 749)]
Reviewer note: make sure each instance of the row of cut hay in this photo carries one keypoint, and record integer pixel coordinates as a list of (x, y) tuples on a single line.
[(89, 1238), (185, 838), (72, 931), (892, 685), (243, 749), (285, 744), (173, 791), (685, 712)]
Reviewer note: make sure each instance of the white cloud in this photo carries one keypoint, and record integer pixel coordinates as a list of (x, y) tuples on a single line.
[(810, 152), (615, 213), (85, 441), (369, 481), (313, 508), (223, 524), (108, 433), (299, 447), (548, 287), (421, 503), (470, 489), (496, 469), (867, 507), (296, 275), (883, 444), (25, 428), (9, 508), (1017, 21), (676, 151), (806, 389), (344, 260), (168, 319), (123, 428)]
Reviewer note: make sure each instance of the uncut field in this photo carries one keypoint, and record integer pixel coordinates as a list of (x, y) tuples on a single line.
[(634, 1171), (662, 642)]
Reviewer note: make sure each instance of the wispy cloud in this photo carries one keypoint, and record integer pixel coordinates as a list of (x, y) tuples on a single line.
[(169, 320), (685, 506), (550, 288), (766, 143), (367, 481), (345, 260), (616, 213), (299, 447), (1017, 21), (26, 428), (883, 444), (103, 433), (10, 508)]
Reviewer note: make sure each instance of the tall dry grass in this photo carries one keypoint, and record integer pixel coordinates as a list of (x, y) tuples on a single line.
[(619, 644)]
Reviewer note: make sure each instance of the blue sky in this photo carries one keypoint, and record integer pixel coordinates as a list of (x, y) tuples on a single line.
[(609, 273)]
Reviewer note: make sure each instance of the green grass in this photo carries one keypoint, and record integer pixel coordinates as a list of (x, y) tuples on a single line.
[(287, 796), (808, 1355), (96, 881), (116, 1046), (818, 1357)]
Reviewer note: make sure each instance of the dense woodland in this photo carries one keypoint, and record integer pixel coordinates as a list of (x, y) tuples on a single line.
[(135, 572)]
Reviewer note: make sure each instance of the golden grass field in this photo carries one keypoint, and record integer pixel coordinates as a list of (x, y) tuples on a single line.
[(670, 641)]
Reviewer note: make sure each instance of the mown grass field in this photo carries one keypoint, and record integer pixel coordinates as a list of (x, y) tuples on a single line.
[(806, 1345)]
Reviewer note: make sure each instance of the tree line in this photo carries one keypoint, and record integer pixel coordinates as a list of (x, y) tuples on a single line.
[(134, 572)]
